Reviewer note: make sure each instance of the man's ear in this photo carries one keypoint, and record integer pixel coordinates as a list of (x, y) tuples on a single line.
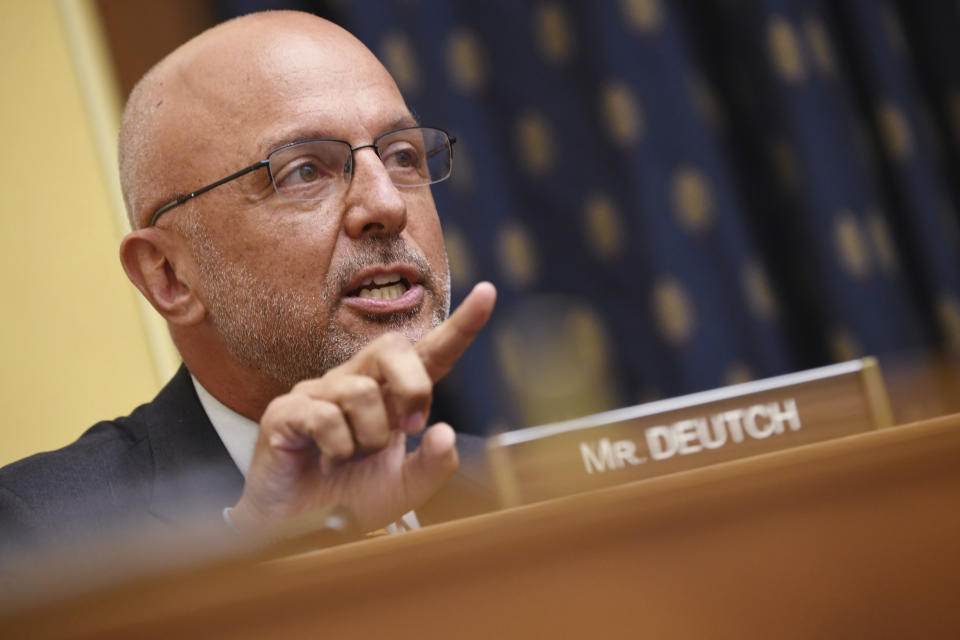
[(155, 262)]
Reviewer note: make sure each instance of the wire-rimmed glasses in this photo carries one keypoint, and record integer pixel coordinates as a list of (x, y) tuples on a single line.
[(322, 168)]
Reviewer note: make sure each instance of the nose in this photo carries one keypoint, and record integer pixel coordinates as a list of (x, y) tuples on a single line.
[(374, 204)]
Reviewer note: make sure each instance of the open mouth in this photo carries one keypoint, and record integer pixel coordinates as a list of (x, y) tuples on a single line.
[(383, 286)]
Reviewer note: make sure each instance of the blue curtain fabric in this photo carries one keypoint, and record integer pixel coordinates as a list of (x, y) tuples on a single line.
[(678, 196)]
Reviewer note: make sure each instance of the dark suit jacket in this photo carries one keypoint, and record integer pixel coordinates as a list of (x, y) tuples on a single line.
[(163, 465)]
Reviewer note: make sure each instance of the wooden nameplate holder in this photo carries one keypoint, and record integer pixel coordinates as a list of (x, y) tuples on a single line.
[(689, 431)]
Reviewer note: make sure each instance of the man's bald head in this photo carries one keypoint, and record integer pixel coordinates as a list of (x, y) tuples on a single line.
[(197, 99), (261, 291)]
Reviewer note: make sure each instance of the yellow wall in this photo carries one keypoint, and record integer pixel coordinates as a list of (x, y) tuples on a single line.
[(73, 343)]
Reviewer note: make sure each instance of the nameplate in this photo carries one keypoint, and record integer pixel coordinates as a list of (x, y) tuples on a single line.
[(689, 431)]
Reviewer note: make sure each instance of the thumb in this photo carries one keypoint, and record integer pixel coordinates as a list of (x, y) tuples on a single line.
[(431, 464)]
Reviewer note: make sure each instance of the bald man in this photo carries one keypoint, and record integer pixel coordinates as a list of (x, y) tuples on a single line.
[(278, 191)]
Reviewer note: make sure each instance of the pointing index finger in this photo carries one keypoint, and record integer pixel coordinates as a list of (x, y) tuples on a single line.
[(442, 347)]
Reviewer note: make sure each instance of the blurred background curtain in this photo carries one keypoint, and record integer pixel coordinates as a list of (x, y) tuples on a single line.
[(675, 196)]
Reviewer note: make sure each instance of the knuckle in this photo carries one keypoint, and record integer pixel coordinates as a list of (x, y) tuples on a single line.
[(329, 430), (319, 419), (362, 387), (325, 416), (415, 384), (279, 410), (415, 391), (373, 438)]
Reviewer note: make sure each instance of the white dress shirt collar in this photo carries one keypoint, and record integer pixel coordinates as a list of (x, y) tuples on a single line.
[(239, 434)]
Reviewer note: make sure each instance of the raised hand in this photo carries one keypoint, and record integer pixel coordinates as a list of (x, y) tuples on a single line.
[(340, 439)]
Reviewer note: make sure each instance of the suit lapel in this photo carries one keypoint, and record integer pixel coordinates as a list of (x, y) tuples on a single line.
[(194, 476)]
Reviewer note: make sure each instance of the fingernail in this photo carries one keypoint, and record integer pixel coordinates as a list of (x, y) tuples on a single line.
[(415, 422)]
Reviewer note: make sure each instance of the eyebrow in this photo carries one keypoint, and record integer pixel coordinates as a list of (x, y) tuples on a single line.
[(312, 133)]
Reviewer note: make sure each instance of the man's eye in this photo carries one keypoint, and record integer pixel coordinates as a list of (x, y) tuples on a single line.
[(307, 173), (300, 173), (403, 158)]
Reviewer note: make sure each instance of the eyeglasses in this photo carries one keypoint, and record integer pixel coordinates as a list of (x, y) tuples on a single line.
[(322, 168)]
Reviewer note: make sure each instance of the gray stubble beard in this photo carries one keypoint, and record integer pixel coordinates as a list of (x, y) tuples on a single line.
[(292, 336)]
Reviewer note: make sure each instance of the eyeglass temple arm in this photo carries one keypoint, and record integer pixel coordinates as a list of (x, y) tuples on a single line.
[(441, 149), (178, 201)]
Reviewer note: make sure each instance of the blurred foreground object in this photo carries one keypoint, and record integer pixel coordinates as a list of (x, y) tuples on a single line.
[(141, 552), (854, 537)]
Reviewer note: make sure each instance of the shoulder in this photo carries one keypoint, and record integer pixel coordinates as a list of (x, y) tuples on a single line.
[(118, 472), (103, 471), (103, 450)]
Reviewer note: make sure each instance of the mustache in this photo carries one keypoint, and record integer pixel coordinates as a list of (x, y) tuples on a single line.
[(381, 250)]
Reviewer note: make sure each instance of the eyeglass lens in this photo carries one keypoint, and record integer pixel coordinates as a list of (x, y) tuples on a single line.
[(318, 169)]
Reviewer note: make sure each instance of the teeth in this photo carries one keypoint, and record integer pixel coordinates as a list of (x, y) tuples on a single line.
[(384, 293), (381, 278), (385, 278)]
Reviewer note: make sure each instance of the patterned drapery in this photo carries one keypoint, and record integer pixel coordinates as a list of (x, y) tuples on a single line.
[(674, 196)]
